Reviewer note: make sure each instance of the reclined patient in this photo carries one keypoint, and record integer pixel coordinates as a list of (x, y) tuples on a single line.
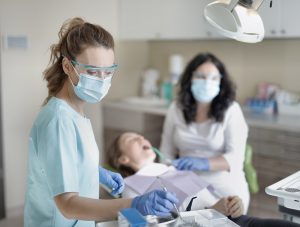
[(132, 155)]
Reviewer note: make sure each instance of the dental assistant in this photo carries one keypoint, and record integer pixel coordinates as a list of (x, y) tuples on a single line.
[(205, 128), (63, 160)]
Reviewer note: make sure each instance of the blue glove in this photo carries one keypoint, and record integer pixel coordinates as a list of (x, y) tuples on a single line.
[(112, 180), (191, 163), (156, 202)]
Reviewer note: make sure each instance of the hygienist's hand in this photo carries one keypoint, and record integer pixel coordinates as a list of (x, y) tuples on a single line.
[(156, 202), (112, 180), (191, 163)]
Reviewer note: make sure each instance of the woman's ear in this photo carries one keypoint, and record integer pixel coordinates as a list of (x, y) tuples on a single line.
[(69, 70), (123, 159), (66, 64)]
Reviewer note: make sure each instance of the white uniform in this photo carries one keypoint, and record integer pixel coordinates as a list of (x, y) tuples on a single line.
[(211, 139)]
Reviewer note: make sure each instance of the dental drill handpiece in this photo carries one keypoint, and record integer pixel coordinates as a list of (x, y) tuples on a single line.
[(165, 189)]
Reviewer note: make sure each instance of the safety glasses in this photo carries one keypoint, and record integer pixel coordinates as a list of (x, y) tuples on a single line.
[(100, 72), (207, 76)]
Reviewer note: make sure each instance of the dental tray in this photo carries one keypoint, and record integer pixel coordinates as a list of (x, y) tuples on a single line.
[(287, 188), (204, 218)]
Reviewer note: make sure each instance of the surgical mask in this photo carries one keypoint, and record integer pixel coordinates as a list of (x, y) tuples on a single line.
[(91, 89), (205, 91)]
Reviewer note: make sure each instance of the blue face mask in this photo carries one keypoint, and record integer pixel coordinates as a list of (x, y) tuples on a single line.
[(205, 91), (92, 89)]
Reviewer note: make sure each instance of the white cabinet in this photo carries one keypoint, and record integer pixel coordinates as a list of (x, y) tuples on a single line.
[(140, 19), (183, 19), (271, 18), (281, 21), (164, 19), (290, 18)]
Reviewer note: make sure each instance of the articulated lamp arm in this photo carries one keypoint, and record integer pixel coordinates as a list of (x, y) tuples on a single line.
[(255, 4), (232, 4)]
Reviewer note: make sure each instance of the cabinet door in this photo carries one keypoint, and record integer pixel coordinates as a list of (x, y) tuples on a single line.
[(141, 19), (182, 20), (290, 18), (167, 19), (271, 18), (185, 20)]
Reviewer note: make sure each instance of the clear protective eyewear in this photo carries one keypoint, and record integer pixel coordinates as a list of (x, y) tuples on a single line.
[(100, 72), (207, 76)]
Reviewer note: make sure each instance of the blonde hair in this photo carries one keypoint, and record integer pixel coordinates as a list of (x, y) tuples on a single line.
[(74, 36)]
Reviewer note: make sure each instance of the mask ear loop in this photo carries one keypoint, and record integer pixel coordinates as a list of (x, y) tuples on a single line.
[(75, 73)]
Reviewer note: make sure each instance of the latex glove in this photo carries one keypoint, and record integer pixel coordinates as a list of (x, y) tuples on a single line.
[(112, 180), (156, 202), (191, 163)]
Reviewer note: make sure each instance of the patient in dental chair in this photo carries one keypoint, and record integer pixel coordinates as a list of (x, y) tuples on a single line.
[(132, 156)]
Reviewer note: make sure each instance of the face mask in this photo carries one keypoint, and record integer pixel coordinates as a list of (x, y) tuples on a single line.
[(205, 90), (92, 89)]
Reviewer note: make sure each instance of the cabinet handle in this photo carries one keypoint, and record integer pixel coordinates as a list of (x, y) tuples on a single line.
[(208, 34), (283, 31), (273, 32)]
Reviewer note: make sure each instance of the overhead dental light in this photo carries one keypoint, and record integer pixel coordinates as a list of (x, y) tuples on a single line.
[(237, 19)]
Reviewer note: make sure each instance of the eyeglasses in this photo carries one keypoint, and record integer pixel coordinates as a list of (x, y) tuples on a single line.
[(206, 76), (101, 72)]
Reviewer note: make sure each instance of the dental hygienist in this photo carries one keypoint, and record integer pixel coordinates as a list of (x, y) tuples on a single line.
[(206, 128), (63, 171)]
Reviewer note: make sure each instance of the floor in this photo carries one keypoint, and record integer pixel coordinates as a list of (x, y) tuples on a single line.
[(12, 222)]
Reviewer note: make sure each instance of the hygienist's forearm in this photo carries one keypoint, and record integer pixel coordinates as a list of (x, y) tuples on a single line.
[(83, 208), (218, 163)]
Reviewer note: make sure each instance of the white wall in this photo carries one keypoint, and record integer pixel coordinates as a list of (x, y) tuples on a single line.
[(23, 90)]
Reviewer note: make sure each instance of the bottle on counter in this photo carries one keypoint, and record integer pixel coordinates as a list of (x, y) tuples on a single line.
[(149, 83), (169, 84), (167, 91)]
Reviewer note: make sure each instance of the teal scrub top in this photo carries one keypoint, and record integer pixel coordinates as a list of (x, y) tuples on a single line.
[(63, 157)]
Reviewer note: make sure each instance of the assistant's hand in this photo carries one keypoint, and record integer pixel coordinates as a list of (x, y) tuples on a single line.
[(191, 163), (156, 202), (112, 180)]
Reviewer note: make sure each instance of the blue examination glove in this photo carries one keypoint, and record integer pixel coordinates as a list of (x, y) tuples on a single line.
[(191, 163), (156, 202), (112, 180)]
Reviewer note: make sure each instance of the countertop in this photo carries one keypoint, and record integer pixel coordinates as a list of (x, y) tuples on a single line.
[(157, 110), (277, 122), (289, 123)]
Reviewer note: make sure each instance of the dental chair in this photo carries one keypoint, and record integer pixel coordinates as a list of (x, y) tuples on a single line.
[(250, 172)]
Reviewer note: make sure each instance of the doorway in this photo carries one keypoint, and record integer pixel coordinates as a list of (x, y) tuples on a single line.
[(2, 201)]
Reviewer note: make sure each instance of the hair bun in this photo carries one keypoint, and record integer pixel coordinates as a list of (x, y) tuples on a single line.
[(69, 24)]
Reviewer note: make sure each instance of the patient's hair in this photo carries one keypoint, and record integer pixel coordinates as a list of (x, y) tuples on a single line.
[(113, 155)]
